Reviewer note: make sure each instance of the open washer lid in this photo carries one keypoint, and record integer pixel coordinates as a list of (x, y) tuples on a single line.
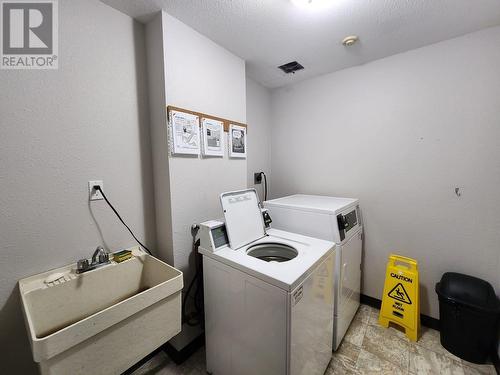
[(244, 222)]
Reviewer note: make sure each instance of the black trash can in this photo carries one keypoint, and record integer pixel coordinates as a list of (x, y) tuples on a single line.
[(469, 314)]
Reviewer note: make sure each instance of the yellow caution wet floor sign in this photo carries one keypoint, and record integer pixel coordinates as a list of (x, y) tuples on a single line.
[(400, 304)]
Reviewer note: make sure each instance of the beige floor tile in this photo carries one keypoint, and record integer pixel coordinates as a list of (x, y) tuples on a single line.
[(387, 346), (373, 320), (337, 369), (475, 369), (364, 312), (369, 363), (427, 362), (429, 339), (399, 332), (161, 364), (356, 332), (344, 360), (348, 351)]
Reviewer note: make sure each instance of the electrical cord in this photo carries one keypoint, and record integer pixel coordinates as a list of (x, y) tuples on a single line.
[(199, 301), (198, 298), (188, 291), (97, 187)]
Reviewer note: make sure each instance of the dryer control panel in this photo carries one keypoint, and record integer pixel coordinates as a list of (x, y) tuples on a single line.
[(347, 221)]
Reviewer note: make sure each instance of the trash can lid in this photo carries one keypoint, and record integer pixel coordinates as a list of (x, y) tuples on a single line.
[(468, 290)]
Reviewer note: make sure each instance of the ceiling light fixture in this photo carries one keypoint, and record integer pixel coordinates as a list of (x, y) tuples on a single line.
[(350, 40)]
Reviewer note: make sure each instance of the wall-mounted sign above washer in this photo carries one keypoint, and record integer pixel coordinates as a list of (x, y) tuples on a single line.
[(237, 141), (212, 137)]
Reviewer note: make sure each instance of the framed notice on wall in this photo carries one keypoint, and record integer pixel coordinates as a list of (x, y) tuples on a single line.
[(237, 141), (212, 137), (184, 133)]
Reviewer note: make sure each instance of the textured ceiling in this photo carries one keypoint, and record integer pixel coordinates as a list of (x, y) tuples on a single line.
[(268, 33)]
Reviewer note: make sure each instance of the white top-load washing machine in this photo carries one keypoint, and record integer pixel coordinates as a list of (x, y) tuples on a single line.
[(333, 219), (268, 295)]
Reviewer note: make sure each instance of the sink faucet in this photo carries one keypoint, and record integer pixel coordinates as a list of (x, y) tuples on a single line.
[(100, 255), (99, 258)]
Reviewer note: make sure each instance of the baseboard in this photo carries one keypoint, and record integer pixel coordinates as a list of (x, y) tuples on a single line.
[(370, 301), (424, 319)]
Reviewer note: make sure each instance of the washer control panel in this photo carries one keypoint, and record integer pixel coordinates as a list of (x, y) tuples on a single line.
[(213, 235)]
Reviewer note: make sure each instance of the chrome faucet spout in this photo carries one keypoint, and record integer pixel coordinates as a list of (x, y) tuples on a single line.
[(99, 258), (95, 257)]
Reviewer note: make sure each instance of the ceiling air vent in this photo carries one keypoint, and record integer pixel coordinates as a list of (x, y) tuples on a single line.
[(291, 67)]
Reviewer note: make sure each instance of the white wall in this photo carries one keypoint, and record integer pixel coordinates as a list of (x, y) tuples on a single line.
[(200, 76), (259, 132), (400, 134), (59, 129)]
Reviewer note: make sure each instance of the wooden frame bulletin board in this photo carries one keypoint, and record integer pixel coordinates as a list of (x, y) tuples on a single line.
[(226, 122)]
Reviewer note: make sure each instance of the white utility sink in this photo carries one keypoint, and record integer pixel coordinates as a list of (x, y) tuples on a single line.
[(102, 321)]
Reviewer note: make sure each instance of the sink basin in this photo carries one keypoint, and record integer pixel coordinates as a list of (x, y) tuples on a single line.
[(102, 321), (272, 252)]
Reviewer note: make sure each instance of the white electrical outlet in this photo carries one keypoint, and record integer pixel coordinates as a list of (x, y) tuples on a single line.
[(94, 194)]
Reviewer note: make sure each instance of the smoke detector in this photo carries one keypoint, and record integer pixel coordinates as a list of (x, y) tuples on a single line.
[(291, 67), (350, 40)]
